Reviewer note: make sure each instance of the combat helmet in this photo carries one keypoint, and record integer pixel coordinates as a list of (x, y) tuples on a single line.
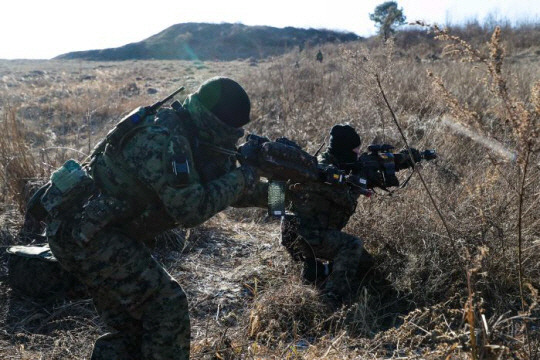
[(226, 99)]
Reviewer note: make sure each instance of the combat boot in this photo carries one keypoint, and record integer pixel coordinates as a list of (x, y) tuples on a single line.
[(316, 271)]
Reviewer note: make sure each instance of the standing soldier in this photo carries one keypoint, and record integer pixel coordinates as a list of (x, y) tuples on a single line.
[(319, 56), (153, 172)]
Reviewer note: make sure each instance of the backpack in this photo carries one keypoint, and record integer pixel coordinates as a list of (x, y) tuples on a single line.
[(34, 271)]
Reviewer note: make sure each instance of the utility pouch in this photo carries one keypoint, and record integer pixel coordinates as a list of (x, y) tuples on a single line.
[(97, 213), (68, 186)]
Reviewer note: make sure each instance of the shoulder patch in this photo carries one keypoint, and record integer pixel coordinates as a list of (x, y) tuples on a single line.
[(180, 165), (180, 162)]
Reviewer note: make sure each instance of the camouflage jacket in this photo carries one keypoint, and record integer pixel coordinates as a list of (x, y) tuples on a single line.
[(169, 172), (323, 205)]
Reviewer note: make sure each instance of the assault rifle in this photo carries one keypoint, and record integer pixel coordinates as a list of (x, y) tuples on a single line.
[(284, 160), (377, 168), (279, 160)]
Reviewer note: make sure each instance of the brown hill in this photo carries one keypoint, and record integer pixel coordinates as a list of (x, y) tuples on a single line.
[(201, 41)]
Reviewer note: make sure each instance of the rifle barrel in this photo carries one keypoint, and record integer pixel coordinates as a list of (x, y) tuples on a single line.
[(161, 102)]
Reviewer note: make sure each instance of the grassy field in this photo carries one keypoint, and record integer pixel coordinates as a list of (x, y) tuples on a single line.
[(460, 244)]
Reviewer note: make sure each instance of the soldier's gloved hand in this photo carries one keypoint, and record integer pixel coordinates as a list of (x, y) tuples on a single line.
[(251, 175), (417, 156), (249, 153)]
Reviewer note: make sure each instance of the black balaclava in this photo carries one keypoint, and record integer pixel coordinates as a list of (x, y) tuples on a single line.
[(343, 139)]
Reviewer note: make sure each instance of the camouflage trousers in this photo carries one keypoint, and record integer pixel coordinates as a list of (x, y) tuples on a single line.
[(134, 295), (307, 242)]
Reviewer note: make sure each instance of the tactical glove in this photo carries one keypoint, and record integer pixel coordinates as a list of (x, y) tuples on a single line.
[(249, 153), (415, 153)]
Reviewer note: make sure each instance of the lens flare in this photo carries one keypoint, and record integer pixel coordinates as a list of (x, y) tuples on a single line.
[(491, 144)]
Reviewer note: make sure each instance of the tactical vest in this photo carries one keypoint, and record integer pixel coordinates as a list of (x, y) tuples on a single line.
[(323, 205), (117, 178), (125, 199)]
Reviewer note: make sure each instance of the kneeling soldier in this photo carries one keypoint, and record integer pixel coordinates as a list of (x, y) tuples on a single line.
[(321, 211), (155, 171)]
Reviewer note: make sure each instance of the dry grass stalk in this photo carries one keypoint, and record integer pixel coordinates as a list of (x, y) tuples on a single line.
[(17, 163)]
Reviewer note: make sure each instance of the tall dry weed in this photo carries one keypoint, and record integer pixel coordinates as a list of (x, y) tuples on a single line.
[(17, 162), (518, 126)]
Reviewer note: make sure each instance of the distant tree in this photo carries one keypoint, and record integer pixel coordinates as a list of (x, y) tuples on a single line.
[(387, 16)]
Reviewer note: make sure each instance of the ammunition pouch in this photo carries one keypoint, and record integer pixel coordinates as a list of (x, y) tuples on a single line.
[(68, 187), (97, 213)]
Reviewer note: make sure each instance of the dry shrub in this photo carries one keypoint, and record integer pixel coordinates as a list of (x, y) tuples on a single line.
[(519, 126), (515, 122), (285, 314), (483, 184), (439, 328)]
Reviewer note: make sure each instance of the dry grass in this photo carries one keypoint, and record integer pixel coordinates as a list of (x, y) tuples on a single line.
[(469, 291)]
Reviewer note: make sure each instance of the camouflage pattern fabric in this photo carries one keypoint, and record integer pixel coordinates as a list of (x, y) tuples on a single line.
[(133, 294), (181, 184), (33, 271), (321, 211), (256, 196), (307, 242)]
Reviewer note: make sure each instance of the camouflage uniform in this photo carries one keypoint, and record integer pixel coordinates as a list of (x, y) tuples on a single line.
[(321, 211), (163, 174)]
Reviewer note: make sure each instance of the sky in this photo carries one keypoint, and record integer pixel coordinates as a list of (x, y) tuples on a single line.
[(42, 29)]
